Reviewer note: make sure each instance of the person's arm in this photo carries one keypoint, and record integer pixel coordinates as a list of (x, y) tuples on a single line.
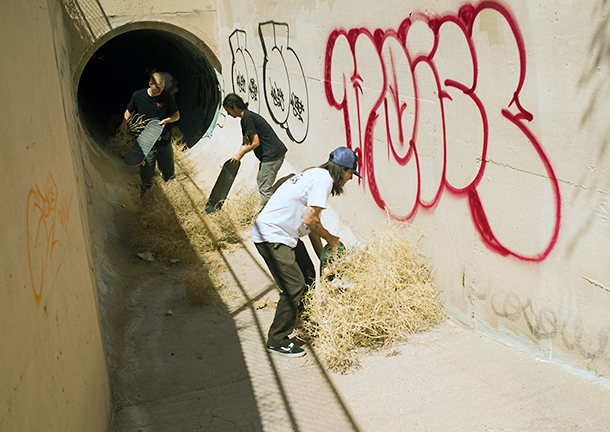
[(314, 223), (126, 116), (316, 243), (173, 118), (246, 147)]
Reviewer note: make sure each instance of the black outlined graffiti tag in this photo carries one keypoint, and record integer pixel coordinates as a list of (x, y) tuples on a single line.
[(243, 70), (284, 84)]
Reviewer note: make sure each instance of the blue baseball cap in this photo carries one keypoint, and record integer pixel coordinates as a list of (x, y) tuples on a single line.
[(346, 158)]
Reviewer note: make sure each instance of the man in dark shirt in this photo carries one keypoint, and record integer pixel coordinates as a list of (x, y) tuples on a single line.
[(258, 136), (155, 103)]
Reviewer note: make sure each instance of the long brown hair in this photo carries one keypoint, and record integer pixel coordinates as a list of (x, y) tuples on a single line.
[(337, 174)]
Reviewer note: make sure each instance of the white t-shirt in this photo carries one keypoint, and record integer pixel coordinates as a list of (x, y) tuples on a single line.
[(281, 221)]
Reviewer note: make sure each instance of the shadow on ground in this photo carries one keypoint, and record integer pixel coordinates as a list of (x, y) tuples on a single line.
[(187, 367)]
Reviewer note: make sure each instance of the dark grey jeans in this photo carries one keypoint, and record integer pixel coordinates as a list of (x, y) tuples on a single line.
[(293, 272)]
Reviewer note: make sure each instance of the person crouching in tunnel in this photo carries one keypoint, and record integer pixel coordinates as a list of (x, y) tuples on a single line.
[(258, 136), (154, 102), (294, 211)]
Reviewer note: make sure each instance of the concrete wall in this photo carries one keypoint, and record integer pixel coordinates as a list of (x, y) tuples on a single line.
[(65, 251), (480, 123), (53, 365)]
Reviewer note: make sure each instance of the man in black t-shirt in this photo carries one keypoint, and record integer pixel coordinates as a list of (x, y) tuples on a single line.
[(155, 103), (259, 137)]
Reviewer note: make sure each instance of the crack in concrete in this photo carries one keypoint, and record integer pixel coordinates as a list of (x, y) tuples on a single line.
[(543, 176)]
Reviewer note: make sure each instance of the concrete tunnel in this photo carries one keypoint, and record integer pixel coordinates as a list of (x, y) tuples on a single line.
[(120, 66), (68, 270)]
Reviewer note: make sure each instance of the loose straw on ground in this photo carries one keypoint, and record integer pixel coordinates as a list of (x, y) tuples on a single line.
[(170, 226), (121, 142), (373, 296)]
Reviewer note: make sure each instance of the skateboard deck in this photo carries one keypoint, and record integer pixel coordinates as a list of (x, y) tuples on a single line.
[(222, 186), (145, 141)]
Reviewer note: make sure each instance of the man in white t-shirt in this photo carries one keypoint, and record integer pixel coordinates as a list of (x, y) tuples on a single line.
[(293, 211)]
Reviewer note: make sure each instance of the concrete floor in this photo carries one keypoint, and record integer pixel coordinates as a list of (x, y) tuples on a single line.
[(206, 368)]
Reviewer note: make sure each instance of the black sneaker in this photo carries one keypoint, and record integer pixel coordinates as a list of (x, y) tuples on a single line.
[(290, 350)]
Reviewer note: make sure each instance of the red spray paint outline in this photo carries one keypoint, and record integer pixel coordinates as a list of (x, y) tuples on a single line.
[(464, 20)]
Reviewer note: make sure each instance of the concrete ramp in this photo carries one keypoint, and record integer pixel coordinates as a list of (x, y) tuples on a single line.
[(206, 368)]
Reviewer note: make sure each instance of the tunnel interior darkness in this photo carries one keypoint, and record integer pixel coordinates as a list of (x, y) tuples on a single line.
[(119, 67)]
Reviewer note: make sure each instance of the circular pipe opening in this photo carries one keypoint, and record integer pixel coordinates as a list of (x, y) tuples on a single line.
[(119, 67)]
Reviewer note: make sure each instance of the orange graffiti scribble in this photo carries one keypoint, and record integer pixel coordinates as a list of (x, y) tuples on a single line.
[(44, 209)]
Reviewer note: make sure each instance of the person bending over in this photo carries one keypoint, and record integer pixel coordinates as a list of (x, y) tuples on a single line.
[(258, 136), (292, 212)]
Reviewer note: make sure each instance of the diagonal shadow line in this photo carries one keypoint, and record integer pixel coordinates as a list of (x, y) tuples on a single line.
[(252, 300), (242, 289), (338, 397), (241, 242), (346, 411), (249, 304), (104, 13), (82, 14), (84, 18)]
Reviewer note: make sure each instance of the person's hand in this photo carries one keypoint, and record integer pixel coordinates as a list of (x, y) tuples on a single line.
[(123, 126), (236, 158), (332, 242), (162, 122)]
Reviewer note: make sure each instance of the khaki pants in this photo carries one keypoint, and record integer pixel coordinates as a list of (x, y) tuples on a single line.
[(267, 172), (292, 271)]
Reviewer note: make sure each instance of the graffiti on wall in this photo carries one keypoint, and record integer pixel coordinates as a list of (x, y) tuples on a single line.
[(546, 323), (243, 70), (284, 81), (47, 218), (427, 92), (284, 87)]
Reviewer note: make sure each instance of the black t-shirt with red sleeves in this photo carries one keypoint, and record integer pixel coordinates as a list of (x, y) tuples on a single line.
[(152, 107)]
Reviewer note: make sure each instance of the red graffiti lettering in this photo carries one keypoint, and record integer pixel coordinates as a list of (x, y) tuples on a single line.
[(416, 99)]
